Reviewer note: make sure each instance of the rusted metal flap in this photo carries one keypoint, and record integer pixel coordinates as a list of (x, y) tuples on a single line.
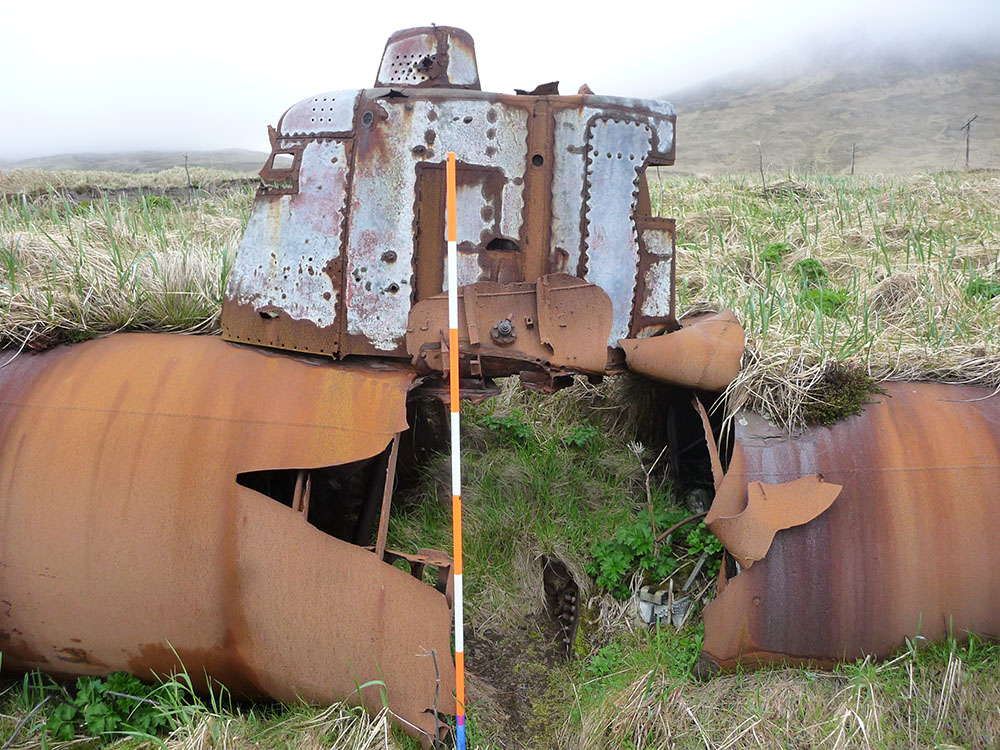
[(558, 322), (713, 449), (770, 508), (745, 516), (705, 354), (731, 492), (281, 411)]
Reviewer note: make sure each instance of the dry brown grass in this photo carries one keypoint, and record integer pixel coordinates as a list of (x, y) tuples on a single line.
[(34, 181), (70, 271), (916, 700)]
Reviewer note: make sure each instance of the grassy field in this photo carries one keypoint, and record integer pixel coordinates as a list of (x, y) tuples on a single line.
[(896, 278)]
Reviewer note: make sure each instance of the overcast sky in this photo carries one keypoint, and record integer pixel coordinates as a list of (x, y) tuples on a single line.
[(193, 75)]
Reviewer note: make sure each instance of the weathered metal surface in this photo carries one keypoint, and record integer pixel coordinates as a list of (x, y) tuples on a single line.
[(435, 57), (547, 184), (705, 353), (290, 245), (620, 138), (654, 296), (328, 114), (482, 130), (556, 323), (906, 549), (124, 533), (769, 508), (616, 156)]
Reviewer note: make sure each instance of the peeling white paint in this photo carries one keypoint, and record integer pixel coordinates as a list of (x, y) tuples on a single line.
[(290, 238), (383, 197), (618, 151)]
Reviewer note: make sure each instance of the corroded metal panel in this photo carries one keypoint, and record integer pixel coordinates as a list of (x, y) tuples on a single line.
[(401, 62), (433, 57), (287, 268), (600, 152), (569, 167), (906, 549), (557, 323), (125, 536), (658, 114), (617, 151), (654, 297), (462, 68), (405, 132), (329, 113), (546, 184)]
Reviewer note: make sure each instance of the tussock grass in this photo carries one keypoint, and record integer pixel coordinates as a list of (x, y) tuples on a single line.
[(908, 267), (34, 181), (939, 696), (69, 271)]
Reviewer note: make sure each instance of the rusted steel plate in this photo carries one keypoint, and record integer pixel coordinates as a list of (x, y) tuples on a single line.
[(484, 130), (908, 547), (703, 354), (653, 309), (619, 139), (123, 531), (556, 323)]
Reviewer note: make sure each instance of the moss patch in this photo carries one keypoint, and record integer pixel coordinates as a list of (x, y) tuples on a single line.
[(843, 391)]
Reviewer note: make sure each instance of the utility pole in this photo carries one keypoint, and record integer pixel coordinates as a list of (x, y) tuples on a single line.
[(854, 150), (968, 129), (760, 152)]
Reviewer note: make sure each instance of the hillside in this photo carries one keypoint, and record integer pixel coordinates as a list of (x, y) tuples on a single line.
[(232, 160), (904, 114)]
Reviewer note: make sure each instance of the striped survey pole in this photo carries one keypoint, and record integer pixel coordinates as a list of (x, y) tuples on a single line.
[(456, 451)]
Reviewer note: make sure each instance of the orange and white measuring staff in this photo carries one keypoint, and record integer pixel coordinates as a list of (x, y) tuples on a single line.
[(456, 450)]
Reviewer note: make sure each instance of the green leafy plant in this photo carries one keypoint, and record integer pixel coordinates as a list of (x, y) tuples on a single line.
[(607, 660), (157, 201), (121, 703), (581, 436), (773, 252), (513, 428), (811, 272), (632, 548), (699, 540), (827, 301)]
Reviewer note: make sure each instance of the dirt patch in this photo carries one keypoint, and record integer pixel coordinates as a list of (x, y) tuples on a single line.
[(510, 673)]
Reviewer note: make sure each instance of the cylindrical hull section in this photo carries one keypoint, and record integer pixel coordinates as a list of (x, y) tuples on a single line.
[(907, 549), (126, 542)]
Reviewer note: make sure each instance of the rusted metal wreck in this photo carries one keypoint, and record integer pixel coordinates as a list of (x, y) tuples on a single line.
[(224, 503)]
